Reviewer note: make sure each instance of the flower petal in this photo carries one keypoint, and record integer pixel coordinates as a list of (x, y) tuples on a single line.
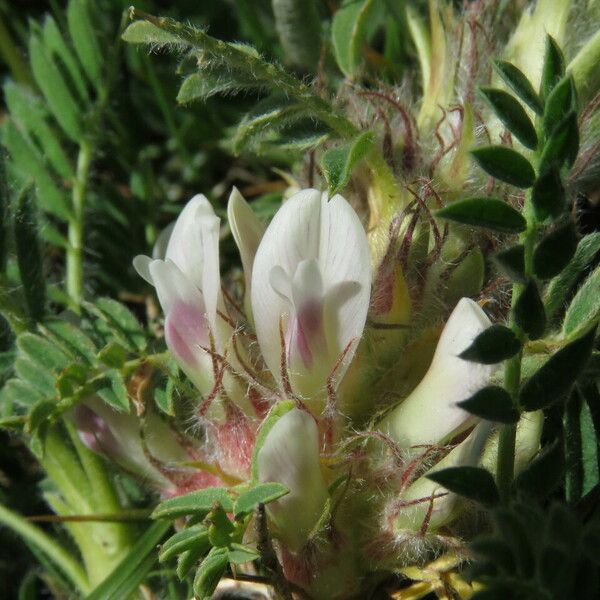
[(247, 230), (430, 415), (314, 252), (290, 456)]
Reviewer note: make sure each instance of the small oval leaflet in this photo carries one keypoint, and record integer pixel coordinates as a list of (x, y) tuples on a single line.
[(490, 213), (505, 164)]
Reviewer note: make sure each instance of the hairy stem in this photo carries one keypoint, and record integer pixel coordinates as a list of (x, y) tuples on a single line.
[(505, 467)]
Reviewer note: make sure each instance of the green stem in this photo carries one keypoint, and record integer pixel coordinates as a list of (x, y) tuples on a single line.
[(54, 551), (505, 466), (76, 226), (279, 79)]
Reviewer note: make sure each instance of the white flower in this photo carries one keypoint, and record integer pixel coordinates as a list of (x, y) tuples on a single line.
[(311, 277), (290, 456), (188, 285), (430, 415)]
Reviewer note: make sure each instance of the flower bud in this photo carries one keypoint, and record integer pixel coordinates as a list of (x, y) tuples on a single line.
[(290, 456), (118, 436), (430, 415)]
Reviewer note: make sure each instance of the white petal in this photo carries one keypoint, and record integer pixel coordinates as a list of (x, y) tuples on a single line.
[(141, 263), (344, 257), (430, 415), (187, 246), (290, 456), (211, 277), (159, 250), (172, 285), (247, 231), (309, 228)]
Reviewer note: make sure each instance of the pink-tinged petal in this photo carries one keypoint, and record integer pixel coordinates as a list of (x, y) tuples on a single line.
[(119, 436), (312, 273), (290, 456), (186, 332), (172, 286), (247, 232), (194, 247), (430, 415)]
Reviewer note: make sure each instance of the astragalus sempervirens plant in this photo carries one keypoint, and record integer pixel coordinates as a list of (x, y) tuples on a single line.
[(406, 360)]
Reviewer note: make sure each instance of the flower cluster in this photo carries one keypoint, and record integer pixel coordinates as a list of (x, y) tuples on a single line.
[(274, 373)]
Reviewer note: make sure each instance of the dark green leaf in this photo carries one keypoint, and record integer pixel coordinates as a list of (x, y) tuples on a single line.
[(348, 32), (132, 570), (543, 474), (556, 377), (267, 117), (207, 83), (41, 379), (495, 344), (21, 393), (113, 355), (492, 403), (548, 194), (144, 32), (505, 164), (29, 255), (238, 554), (220, 528), (490, 213), (209, 573), (554, 67), (70, 379), (585, 306), (514, 534), (555, 251), (63, 56), (194, 537), (186, 560), (30, 114), (338, 163), (55, 90), (120, 321), (559, 104), (200, 502), (83, 35), (529, 311), (263, 493), (563, 145), (115, 393), (518, 83), (560, 287), (495, 550), (41, 351), (71, 339), (299, 28), (512, 115), (581, 448), (30, 165), (512, 262), (474, 483)]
